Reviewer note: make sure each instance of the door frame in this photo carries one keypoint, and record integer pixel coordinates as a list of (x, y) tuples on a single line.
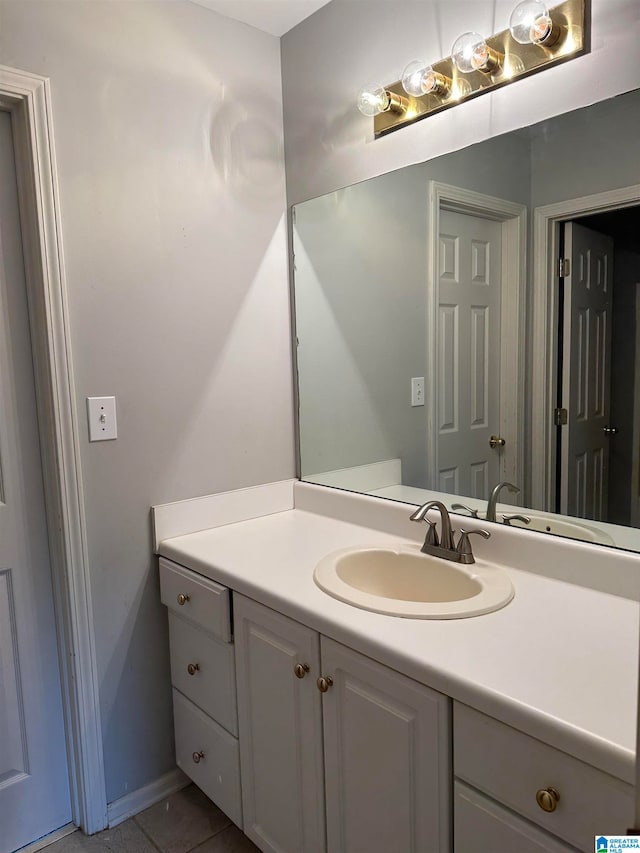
[(27, 97), (513, 217), (544, 355)]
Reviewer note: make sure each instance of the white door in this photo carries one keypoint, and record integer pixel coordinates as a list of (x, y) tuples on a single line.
[(586, 373), (468, 372), (34, 782)]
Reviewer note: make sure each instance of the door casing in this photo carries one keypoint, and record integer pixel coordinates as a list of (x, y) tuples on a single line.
[(28, 98)]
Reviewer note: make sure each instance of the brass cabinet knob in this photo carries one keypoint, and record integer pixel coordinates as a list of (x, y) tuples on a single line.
[(301, 669), (547, 799), (324, 683), (197, 757), (193, 668), (182, 598)]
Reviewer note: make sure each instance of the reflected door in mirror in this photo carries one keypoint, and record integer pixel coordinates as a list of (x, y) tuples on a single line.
[(469, 298)]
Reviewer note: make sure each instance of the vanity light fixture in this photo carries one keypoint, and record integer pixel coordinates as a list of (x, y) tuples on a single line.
[(419, 78), (470, 52), (537, 38), (375, 99)]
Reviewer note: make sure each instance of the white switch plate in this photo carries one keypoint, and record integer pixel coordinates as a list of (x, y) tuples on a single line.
[(417, 391), (101, 412)]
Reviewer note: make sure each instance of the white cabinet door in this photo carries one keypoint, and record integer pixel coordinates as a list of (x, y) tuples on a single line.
[(280, 728), (480, 825), (387, 758)]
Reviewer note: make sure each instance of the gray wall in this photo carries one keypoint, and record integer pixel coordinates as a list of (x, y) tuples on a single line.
[(361, 288), (348, 43), (586, 151), (169, 149)]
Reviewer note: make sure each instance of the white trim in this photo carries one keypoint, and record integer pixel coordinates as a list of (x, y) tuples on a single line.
[(28, 98), (546, 225), (137, 801), (190, 516), (362, 478), (513, 217), (41, 843)]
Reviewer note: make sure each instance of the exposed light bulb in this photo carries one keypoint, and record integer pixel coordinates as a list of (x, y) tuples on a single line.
[(373, 100), (470, 52), (419, 79), (530, 23)]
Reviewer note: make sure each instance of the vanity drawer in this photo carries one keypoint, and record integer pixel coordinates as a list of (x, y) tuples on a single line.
[(209, 755), (512, 767), (481, 824), (196, 598), (203, 669)]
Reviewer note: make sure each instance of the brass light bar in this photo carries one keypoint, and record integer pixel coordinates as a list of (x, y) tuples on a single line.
[(571, 32)]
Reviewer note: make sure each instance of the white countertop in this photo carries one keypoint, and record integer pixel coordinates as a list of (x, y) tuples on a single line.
[(559, 662)]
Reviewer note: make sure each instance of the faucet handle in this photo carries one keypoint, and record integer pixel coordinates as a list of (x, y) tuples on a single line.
[(432, 534), (464, 545), (473, 513), (507, 519)]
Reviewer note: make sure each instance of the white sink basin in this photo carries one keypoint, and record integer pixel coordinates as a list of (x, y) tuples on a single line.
[(405, 582)]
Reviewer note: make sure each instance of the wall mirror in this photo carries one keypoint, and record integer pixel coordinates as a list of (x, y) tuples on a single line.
[(474, 320)]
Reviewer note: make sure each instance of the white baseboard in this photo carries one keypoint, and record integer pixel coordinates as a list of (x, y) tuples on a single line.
[(137, 801), (49, 839)]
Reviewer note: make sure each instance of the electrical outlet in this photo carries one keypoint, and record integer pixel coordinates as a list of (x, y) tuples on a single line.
[(101, 412), (417, 391)]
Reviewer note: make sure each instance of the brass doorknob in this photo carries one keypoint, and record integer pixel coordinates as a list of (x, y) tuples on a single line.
[(182, 598), (193, 668), (301, 669), (547, 799), (496, 441), (197, 757), (324, 683)]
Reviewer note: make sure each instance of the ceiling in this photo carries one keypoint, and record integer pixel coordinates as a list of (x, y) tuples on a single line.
[(272, 16)]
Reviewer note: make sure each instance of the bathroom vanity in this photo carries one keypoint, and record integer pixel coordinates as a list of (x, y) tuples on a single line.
[(316, 725)]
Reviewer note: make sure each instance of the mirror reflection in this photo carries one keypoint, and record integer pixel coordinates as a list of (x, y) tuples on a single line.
[(466, 329)]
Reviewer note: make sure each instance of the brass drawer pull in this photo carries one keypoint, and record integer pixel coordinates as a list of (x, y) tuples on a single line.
[(193, 668), (324, 683), (301, 669), (547, 799), (197, 757), (182, 598)]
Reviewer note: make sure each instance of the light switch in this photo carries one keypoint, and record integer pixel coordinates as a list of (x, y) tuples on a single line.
[(417, 391), (101, 412)]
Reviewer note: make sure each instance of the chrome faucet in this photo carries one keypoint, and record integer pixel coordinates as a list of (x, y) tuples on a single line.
[(493, 498), (445, 546)]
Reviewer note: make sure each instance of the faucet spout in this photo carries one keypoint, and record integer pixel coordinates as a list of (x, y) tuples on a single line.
[(446, 533), (493, 498)]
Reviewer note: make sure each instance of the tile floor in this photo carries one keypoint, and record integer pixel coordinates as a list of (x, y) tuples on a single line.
[(187, 822)]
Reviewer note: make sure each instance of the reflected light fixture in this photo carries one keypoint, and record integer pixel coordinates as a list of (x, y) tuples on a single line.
[(375, 99), (531, 23), (538, 37), (419, 78), (470, 52)]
